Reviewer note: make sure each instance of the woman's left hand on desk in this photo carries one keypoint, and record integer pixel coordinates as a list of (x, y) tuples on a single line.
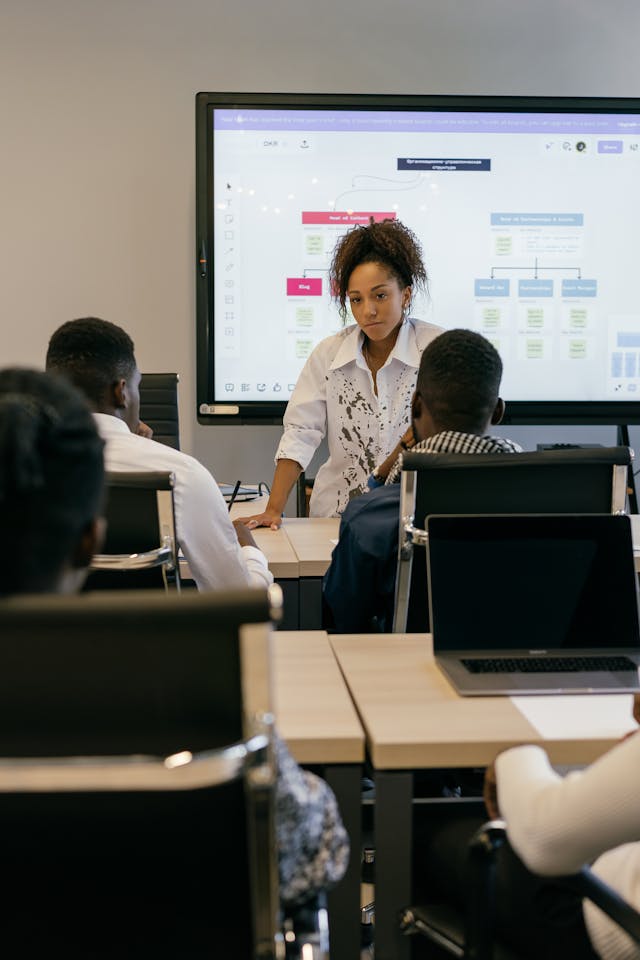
[(270, 518)]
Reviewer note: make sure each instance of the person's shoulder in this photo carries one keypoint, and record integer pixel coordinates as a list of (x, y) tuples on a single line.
[(329, 346), (161, 456), (504, 445), (425, 332)]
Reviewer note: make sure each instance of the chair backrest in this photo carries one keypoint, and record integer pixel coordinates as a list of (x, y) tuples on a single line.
[(140, 549), (549, 481), (159, 406), (131, 829)]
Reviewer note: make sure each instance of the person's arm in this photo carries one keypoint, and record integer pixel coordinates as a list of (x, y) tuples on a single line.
[(305, 424), (381, 472), (208, 539), (557, 824), (284, 479), (313, 846)]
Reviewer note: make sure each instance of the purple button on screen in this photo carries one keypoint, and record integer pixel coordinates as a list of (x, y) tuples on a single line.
[(609, 146)]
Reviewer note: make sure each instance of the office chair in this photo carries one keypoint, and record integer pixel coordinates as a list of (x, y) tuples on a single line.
[(140, 550), (549, 481), (136, 779), (159, 406), (471, 935)]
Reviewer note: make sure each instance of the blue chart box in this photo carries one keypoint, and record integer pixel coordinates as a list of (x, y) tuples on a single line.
[(579, 288), (491, 288), (535, 288)]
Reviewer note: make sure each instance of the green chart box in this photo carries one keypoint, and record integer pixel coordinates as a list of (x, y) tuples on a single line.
[(314, 244), (534, 349), (491, 318), (577, 349)]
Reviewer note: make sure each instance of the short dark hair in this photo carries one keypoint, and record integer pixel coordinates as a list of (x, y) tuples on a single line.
[(387, 242), (93, 354), (459, 378), (51, 477)]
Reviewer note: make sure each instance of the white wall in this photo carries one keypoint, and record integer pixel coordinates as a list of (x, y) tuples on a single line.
[(97, 139)]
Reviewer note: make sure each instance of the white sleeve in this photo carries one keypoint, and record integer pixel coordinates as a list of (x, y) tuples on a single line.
[(256, 563), (305, 419), (207, 537), (557, 824)]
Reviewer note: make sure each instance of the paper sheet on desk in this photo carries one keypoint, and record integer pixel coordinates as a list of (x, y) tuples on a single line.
[(605, 715)]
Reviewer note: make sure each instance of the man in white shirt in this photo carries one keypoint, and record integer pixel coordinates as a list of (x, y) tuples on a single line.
[(98, 357)]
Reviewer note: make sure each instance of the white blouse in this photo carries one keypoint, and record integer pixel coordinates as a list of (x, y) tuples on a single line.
[(557, 824), (334, 396)]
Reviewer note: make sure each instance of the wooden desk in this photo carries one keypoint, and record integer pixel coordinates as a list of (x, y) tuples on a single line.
[(312, 540), (298, 554), (314, 710), (315, 715), (275, 544), (414, 719), (281, 559)]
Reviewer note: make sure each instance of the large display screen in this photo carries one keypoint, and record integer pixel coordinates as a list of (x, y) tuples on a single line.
[(528, 212)]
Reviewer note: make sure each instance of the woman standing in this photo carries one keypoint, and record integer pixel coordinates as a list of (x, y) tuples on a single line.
[(356, 386)]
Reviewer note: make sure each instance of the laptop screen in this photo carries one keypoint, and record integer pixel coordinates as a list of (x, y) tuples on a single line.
[(531, 582)]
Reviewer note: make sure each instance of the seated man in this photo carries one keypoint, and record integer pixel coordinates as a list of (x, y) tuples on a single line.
[(98, 358), (455, 402), (555, 825), (51, 492)]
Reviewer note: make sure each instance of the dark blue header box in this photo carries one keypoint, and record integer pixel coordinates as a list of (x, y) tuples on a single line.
[(447, 164)]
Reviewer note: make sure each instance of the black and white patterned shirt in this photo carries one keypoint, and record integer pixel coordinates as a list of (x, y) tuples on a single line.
[(452, 441)]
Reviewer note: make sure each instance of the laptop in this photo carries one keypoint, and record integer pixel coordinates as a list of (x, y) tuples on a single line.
[(534, 604)]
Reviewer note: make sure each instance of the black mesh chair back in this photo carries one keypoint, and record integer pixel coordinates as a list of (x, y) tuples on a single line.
[(140, 549), (159, 406), (550, 481), (131, 827)]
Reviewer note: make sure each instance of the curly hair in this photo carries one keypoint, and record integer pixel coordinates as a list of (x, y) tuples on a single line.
[(388, 243), (459, 378), (51, 477)]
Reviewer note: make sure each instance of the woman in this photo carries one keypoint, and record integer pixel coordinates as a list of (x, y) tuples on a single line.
[(356, 386)]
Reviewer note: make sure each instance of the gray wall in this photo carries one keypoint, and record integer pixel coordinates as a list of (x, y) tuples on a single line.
[(97, 141)]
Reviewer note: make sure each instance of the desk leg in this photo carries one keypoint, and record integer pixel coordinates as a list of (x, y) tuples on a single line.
[(393, 837), (310, 603), (291, 605), (344, 901)]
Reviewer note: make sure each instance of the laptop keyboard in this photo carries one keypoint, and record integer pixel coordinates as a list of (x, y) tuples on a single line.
[(548, 664)]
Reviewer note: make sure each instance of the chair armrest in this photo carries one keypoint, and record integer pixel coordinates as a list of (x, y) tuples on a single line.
[(161, 556), (591, 887)]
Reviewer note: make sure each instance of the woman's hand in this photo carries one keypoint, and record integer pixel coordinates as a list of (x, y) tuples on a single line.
[(270, 518)]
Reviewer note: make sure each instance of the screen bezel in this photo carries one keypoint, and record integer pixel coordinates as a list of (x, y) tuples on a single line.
[(215, 412)]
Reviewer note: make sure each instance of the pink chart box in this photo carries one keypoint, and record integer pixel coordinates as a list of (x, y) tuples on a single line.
[(304, 286)]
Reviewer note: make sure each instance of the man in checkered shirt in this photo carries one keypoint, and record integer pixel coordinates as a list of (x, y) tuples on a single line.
[(455, 403)]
